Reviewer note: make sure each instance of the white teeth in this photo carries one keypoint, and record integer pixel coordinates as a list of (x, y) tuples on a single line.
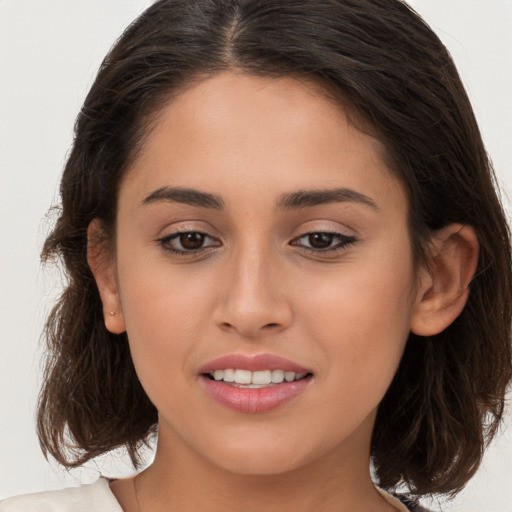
[(229, 375), (289, 376), (243, 376), (255, 379), (277, 376), (263, 377)]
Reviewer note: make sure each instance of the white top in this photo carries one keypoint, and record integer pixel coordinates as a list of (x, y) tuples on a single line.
[(96, 497)]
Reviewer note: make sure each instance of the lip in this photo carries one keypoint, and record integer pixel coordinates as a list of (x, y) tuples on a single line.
[(253, 363), (254, 400)]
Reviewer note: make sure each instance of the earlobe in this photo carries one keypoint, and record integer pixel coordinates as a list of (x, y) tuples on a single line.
[(444, 286), (102, 266)]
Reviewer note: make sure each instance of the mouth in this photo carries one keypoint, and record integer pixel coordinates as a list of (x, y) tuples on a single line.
[(254, 384), (247, 379)]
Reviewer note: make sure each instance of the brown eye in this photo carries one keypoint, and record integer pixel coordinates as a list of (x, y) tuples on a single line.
[(188, 242), (320, 240), (323, 241), (192, 240)]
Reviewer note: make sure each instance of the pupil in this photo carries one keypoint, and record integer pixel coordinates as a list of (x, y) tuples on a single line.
[(192, 240), (320, 240)]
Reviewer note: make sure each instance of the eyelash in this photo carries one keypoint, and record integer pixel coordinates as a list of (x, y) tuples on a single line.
[(344, 242), (168, 239)]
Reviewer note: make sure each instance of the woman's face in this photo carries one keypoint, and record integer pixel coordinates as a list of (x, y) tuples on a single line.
[(259, 231)]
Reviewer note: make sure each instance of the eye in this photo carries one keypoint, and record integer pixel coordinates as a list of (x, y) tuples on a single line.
[(324, 241), (187, 242)]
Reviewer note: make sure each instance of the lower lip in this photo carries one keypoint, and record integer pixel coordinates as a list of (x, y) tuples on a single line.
[(254, 400)]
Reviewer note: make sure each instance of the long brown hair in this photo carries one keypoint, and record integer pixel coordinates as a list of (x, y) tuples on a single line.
[(379, 59)]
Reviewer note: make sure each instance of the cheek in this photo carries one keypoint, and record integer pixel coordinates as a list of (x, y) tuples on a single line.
[(165, 315), (361, 319), (372, 293)]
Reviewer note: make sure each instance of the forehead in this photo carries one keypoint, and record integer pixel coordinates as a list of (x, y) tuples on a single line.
[(241, 102), (282, 133)]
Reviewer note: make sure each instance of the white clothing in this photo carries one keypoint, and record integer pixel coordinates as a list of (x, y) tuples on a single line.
[(96, 497)]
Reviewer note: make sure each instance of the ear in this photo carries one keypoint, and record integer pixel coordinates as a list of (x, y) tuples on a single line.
[(444, 286), (102, 264)]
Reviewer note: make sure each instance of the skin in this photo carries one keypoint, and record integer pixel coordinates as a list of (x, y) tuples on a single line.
[(256, 286)]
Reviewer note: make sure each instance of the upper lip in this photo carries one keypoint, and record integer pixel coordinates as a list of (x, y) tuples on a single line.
[(253, 363)]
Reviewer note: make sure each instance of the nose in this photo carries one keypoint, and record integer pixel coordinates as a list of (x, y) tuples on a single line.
[(253, 302)]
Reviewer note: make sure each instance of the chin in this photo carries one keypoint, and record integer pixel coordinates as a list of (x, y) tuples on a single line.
[(260, 459), (259, 466)]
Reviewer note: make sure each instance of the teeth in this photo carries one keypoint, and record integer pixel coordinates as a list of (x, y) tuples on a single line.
[(289, 376), (255, 379), (243, 376), (263, 377), (277, 376), (229, 375)]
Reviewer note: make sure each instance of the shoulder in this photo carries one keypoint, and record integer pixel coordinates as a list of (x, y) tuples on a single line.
[(411, 505), (96, 496), (400, 501)]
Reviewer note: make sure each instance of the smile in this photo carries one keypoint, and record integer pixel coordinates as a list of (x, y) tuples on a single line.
[(257, 379), (254, 383)]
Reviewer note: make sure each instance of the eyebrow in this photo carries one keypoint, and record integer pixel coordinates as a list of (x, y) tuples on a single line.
[(308, 198), (294, 200), (188, 196)]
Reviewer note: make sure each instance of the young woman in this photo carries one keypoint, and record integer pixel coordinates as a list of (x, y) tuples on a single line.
[(285, 256)]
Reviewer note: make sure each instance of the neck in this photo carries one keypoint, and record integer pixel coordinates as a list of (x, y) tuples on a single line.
[(180, 480)]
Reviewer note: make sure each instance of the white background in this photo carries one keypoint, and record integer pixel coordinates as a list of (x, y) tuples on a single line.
[(49, 53)]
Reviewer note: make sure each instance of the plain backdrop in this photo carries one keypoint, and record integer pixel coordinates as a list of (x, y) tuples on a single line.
[(49, 53)]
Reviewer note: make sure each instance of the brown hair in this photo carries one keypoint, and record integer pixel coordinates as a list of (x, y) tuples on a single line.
[(378, 58)]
